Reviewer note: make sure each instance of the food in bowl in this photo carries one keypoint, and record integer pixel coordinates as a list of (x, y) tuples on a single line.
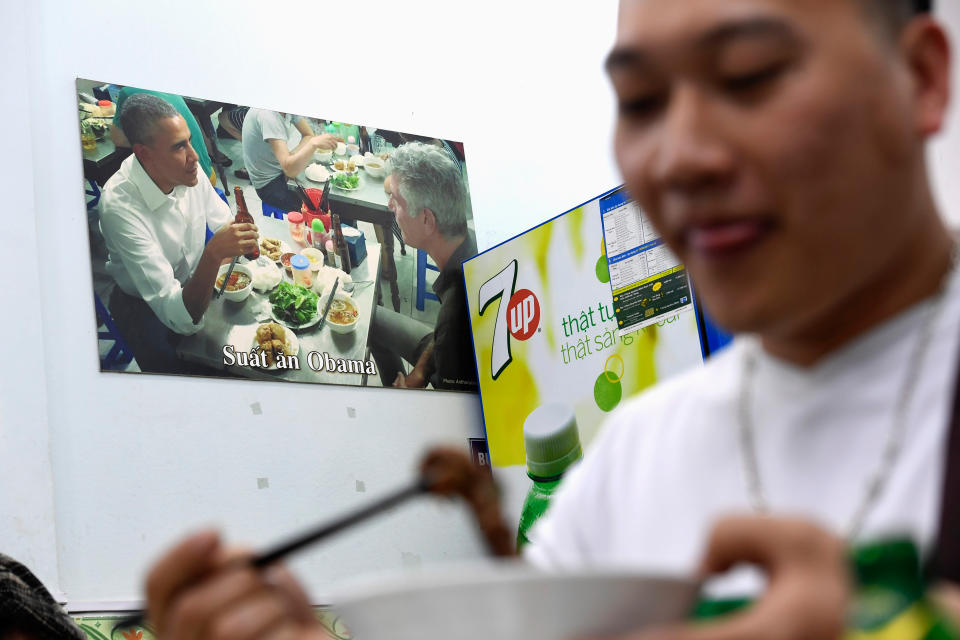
[(353, 149), (238, 280), (343, 314), (315, 256), (285, 261), (375, 168), (324, 155), (340, 165), (342, 311), (238, 286)]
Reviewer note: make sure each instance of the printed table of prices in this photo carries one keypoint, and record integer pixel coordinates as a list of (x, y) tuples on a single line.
[(647, 280)]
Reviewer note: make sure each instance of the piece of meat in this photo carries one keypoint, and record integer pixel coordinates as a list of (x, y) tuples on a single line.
[(449, 472)]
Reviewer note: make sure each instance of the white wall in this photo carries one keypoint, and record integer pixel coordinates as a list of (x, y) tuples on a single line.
[(26, 485), (139, 459)]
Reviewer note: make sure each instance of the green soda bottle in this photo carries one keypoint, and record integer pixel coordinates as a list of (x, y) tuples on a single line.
[(890, 600), (552, 443)]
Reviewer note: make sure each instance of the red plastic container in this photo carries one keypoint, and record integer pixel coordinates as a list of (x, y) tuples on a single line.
[(308, 215)]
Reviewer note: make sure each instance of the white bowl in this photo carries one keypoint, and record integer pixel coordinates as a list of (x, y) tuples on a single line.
[(323, 155), (315, 256), (341, 149), (375, 167), (353, 149), (513, 601), (341, 328), (241, 294)]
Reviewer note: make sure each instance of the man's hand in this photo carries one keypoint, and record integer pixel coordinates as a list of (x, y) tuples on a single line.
[(232, 240), (200, 590), (809, 582), (325, 141), (413, 380)]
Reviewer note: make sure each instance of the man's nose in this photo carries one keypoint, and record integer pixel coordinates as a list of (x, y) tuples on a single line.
[(691, 150)]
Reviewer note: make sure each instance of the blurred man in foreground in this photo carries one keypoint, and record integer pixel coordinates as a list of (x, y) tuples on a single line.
[(779, 148)]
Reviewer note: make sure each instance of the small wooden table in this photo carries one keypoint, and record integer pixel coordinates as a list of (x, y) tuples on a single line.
[(235, 323)]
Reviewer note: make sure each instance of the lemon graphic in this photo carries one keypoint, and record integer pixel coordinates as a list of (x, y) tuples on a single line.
[(657, 286)]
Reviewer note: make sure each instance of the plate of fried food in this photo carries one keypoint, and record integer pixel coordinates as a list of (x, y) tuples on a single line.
[(345, 166), (274, 340), (273, 248)]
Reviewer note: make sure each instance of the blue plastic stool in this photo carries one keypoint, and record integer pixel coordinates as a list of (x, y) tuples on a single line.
[(422, 266), (120, 354), (95, 192), (269, 210)]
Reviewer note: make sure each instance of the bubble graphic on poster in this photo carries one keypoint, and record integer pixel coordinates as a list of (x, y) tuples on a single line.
[(607, 390), (603, 270)]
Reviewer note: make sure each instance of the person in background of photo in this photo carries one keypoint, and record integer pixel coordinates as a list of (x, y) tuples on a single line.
[(197, 140), (430, 202), (231, 126), (155, 212), (269, 157)]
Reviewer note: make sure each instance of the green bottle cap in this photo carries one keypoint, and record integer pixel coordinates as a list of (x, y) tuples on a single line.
[(551, 440), (317, 226)]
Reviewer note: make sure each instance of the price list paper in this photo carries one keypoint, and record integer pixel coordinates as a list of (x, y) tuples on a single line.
[(647, 280)]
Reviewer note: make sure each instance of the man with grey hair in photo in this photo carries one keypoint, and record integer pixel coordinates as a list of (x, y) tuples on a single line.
[(155, 213), (429, 198)]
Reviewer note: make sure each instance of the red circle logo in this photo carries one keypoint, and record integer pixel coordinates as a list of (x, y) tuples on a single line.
[(523, 314)]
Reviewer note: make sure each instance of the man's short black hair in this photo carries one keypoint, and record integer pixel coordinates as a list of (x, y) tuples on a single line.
[(139, 115)]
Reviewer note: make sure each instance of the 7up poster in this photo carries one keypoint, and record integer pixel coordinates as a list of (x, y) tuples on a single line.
[(546, 335)]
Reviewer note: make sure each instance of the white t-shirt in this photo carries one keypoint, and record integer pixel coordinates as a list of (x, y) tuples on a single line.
[(668, 463), (260, 126), (155, 239)]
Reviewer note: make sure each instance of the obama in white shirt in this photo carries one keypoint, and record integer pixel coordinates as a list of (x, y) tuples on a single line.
[(154, 215)]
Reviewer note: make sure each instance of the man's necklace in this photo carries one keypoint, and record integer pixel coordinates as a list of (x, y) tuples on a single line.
[(891, 452)]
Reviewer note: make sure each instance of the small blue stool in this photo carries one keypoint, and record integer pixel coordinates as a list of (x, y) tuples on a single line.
[(120, 354), (422, 266), (269, 210), (93, 191)]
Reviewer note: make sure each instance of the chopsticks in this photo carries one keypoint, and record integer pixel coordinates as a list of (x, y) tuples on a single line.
[(226, 278), (305, 197), (423, 484), (326, 309)]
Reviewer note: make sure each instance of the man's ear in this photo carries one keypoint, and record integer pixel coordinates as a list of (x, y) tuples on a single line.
[(429, 220), (142, 152), (926, 49)]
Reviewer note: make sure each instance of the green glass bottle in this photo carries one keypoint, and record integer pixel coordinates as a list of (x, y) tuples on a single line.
[(552, 443), (889, 598)]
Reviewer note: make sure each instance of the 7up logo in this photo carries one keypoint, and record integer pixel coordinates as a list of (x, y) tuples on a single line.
[(519, 317)]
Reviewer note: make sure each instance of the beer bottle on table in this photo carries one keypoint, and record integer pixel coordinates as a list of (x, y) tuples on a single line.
[(341, 244), (243, 215)]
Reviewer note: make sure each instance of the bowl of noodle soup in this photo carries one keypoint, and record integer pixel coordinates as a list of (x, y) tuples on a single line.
[(344, 313)]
